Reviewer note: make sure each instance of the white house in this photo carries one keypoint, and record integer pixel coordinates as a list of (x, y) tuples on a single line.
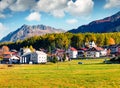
[(103, 52), (34, 57), (72, 52), (96, 52), (24, 51), (92, 44), (39, 57)]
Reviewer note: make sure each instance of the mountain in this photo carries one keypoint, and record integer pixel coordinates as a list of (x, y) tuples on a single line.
[(108, 24), (27, 31)]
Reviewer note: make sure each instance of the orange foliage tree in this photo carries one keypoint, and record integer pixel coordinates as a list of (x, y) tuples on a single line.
[(5, 49), (111, 41)]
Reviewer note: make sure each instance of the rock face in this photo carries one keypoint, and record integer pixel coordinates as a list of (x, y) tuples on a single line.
[(108, 24), (27, 31)]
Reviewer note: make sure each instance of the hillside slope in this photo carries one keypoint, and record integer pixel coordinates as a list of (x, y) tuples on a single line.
[(27, 31), (108, 24)]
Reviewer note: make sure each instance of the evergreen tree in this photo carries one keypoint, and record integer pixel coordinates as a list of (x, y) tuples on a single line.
[(64, 57), (55, 60)]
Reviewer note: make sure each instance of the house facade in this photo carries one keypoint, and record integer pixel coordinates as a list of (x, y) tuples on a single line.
[(96, 52), (24, 51), (6, 57), (115, 49), (81, 52), (92, 44), (72, 52), (14, 59), (34, 57)]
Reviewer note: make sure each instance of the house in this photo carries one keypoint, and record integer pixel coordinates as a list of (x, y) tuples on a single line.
[(39, 57), (90, 44), (14, 52), (34, 57), (6, 57), (115, 49), (96, 52), (72, 52), (81, 52), (14, 59), (59, 53), (24, 51)]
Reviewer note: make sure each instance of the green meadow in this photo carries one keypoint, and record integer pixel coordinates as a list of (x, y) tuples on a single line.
[(93, 73)]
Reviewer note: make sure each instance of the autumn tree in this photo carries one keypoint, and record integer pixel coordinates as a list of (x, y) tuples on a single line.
[(77, 40), (106, 40), (111, 41), (31, 48), (100, 39), (62, 41), (5, 49), (51, 40)]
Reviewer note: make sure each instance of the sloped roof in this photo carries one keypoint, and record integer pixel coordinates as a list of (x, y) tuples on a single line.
[(84, 49), (96, 49), (7, 53), (73, 49), (40, 52)]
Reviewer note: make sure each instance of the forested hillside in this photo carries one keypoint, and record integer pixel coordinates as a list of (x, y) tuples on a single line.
[(106, 25), (64, 40)]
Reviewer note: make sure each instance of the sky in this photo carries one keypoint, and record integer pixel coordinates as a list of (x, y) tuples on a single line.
[(62, 14)]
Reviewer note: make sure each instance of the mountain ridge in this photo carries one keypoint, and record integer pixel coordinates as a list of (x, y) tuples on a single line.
[(26, 31), (108, 24)]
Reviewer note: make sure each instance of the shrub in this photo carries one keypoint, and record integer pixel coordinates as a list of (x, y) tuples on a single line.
[(115, 59), (64, 57), (55, 60)]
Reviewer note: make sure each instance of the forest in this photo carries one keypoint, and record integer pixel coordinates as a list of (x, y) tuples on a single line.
[(64, 40)]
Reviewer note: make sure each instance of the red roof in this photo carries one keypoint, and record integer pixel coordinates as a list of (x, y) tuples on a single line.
[(7, 53), (73, 49), (96, 49), (84, 49), (99, 48), (60, 50)]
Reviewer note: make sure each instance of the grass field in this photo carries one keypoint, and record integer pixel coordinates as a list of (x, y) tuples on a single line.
[(92, 74)]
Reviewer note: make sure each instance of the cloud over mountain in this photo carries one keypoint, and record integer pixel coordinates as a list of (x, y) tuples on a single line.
[(35, 16)]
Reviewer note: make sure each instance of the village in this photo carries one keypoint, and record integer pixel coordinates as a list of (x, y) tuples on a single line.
[(28, 56)]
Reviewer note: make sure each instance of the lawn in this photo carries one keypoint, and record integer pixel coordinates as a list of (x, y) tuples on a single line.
[(91, 74)]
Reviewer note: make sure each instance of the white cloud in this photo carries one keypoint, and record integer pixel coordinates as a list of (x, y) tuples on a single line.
[(22, 5), (35, 16), (50, 5), (3, 29), (2, 15), (112, 4), (72, 21), (57, 8), (58, 13), (80, 7), (5, 4), (54, 7)]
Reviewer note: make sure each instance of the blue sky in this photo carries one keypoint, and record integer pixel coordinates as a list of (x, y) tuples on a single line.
[(64, 14)]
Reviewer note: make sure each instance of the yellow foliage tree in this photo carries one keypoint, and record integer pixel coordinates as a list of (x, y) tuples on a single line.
[(31, 48)]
